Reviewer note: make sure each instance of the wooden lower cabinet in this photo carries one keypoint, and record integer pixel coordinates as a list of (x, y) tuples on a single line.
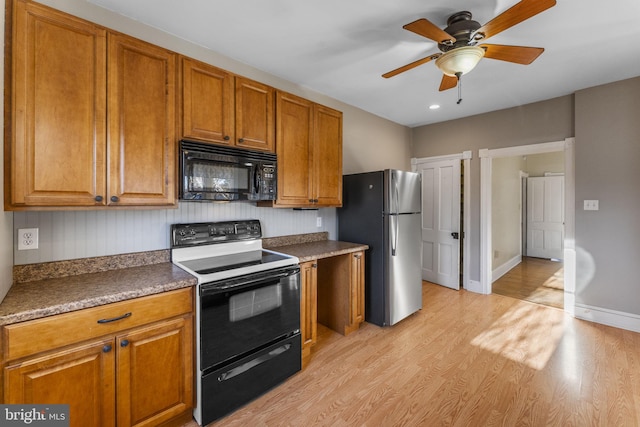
[(154, 373), (141, 376), (308, 308), (81, 376)]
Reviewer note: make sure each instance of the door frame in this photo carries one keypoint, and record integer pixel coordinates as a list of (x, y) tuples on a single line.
[(465, 157), (486, 156)]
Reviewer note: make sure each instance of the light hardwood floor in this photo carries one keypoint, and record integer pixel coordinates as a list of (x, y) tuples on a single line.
[(465, 360), (534, 279)]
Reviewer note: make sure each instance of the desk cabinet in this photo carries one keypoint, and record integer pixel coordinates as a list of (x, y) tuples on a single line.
[(341, 292)]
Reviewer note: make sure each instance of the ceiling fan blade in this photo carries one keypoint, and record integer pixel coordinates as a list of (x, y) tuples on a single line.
[(410, 66), (519, 54), (448, 82), (429, 30), (516, 14)]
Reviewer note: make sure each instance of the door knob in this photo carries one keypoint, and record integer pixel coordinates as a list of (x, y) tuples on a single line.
[(455, 235)]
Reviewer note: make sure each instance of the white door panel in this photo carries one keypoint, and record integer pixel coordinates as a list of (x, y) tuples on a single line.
[(545, 217), (440, 219)]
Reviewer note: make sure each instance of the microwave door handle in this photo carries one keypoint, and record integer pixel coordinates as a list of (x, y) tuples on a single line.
[(256, 178)]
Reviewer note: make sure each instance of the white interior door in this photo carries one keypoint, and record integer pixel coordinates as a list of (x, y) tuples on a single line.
[(441, 222), (545, 217)]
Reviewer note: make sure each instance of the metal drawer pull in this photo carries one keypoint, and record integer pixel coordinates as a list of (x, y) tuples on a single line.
[(255, 362), (113, 319)]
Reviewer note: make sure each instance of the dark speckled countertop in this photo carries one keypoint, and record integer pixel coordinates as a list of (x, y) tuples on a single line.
[(308, 247), (52, 293)]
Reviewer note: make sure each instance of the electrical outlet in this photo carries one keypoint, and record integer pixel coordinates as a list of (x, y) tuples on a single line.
[(27, 239), (319, 221)]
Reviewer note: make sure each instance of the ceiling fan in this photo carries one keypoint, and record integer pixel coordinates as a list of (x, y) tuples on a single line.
[(459, 41)]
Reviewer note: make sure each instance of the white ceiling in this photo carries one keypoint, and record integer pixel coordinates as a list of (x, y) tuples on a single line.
[(341, 48)]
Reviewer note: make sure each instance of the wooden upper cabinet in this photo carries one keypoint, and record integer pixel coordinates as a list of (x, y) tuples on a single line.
[(294, 131), (255, 121), (61, 152), (309, 148), (221, 108), (207, 105), (327, 156), (56, 138), (142, 138)]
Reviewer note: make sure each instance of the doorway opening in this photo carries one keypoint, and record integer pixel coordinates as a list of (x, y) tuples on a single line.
[(528, 227), (527, 263)]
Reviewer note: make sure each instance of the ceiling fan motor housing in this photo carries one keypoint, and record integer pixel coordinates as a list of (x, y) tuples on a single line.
[(461, 27)]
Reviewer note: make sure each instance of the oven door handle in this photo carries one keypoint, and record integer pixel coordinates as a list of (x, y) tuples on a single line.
[(211, 289), (253, 363)]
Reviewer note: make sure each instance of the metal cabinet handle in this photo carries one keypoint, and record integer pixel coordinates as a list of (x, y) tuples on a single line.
[(113, 319), (124, 343), (115, 199), (98, 198), (106, 348), (226, 137), (240, 139)]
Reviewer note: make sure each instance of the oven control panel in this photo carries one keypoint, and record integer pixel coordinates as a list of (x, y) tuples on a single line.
[(214, 232)]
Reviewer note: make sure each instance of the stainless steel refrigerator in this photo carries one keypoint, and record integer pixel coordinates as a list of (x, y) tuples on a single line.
[(382, 209)]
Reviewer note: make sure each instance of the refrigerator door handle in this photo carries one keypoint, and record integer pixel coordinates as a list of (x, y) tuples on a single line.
[(394, 245), (397, 194)]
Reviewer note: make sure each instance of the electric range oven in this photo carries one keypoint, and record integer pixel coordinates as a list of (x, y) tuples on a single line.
[(247, 313)]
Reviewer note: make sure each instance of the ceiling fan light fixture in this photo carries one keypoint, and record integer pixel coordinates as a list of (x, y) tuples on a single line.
[(460, 61)]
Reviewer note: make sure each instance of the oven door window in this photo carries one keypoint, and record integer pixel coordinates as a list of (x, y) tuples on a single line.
[(238, 320)]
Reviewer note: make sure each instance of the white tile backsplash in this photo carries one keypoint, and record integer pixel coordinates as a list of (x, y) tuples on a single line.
[(81, 234)]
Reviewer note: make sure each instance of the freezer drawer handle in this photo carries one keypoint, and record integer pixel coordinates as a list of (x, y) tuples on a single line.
[(455, 235), (252, 364)]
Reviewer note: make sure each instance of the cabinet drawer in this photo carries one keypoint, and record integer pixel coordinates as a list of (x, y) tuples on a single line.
[(34, 336)]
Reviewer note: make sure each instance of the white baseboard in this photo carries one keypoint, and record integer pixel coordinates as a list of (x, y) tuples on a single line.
[(504, 268), (474, 286), (618, 319)]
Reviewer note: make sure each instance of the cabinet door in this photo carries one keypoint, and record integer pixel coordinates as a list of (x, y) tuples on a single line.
[(293, 147), (308, 306), (255, 125), (58, 114), (155, 373), (206, 102), (327, 156), (141, 104), (82, 377), (357, 288)]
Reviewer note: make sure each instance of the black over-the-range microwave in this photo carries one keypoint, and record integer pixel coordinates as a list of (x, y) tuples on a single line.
[(219, 173)]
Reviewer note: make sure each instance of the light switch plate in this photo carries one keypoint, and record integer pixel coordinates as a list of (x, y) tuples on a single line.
[(591, 205)]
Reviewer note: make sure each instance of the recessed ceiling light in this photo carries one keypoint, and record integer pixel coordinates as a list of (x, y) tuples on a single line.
[(434, 106)]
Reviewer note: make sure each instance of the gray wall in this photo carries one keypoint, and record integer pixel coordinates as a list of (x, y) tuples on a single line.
[(606, 123), (545, 121), (607, 157)]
